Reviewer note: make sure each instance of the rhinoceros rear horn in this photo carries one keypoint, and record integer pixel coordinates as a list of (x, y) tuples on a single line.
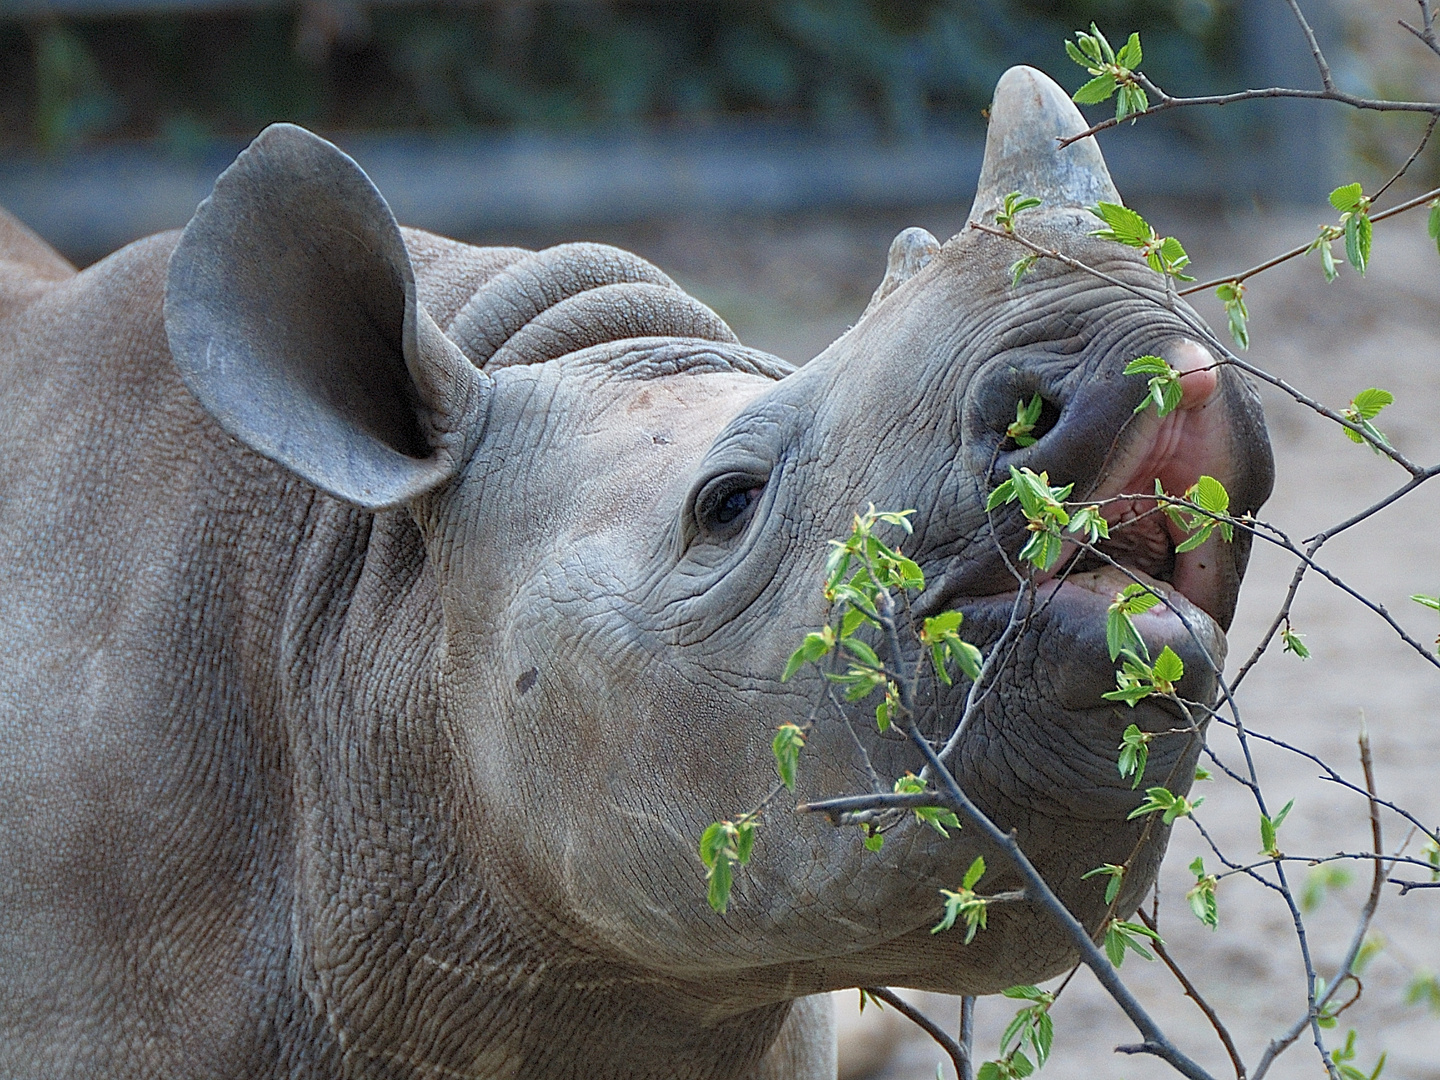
[(1029, 115), (291, 312)]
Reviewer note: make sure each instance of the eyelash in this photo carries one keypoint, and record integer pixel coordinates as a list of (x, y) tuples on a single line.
[(729, 504)]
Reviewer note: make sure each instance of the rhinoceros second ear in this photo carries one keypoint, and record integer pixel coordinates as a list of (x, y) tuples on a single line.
[(291, 313)]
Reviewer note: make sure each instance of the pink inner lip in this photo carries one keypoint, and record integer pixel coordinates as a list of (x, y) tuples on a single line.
[(1176, 450)]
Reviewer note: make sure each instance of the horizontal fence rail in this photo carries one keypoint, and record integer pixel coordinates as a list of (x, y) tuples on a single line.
[(94, 200)]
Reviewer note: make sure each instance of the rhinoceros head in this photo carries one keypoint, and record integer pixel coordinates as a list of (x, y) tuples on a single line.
[(625, 515)]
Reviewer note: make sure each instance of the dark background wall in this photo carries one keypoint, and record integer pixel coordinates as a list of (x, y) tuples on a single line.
[(115, 115)]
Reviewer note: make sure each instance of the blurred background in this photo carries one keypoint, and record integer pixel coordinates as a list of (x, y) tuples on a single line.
[(478, 118), (764, 153)]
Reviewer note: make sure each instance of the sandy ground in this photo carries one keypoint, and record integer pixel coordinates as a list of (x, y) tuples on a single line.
[(792, 286)]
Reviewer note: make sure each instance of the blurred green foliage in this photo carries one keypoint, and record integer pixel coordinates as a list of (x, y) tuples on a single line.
[(895, 67)]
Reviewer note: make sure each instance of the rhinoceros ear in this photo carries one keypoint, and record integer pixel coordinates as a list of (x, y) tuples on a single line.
[(1029, 114), (291, 313)]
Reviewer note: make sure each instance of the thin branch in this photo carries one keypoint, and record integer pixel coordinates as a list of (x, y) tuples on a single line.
[(959, 1054), (1167, 103), (1330, 774), (1406, 886), (1427, 22), (1324, 68), (1367, 913), (1194, 995), (988, 670), (1156, 1042), (967, 1035), (1408, 204), (1429, 130)]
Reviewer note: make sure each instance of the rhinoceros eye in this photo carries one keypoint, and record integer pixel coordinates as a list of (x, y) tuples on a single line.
[(726, 500), (735, 504)]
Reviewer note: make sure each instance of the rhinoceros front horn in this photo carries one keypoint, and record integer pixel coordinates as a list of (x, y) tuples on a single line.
[(1029, 114)]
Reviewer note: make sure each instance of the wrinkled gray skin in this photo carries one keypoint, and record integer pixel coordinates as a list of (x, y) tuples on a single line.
[(374, 647)]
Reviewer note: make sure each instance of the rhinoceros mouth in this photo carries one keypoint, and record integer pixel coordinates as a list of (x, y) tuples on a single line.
[(1167, 454)]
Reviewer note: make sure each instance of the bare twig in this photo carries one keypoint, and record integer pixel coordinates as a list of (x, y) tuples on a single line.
[(1429, 130), (1426, 32), (967, 1036), (1324, 68), (1367, 913), (1194, 995), (1406, 886), (959, 1052)]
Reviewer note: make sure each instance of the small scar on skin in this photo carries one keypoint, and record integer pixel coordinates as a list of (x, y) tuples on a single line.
[(526, 681)]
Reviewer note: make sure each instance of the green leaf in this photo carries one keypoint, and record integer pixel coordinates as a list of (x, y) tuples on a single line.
[(1120, 632), (1096, 90), (1026, 993), (711, 840), (1121, 936), (1358, 234), (1089, 521), (1327, 262), (1015, 203), (1004, 493), (719, 892), (1168, 667), (1232, 295), (1020, 267), (1149, 365), (1292, 643), (744, 841), (1075, 54), (1116, 875), (990, 1070), (1043, 550), (812, 648), (786, 747), (967, 657), (1434, 226), (1195, 539), (874, 841), (1269, 827), (1026, 416), (975, 873), (1124, 225), (1211, 495), (1105, 51), (1432, 602), (1201, 897), (1345, 197), (852, 620), (1130, 54), (1044, 1037), (938, 626), (1424, 989), (1159, 799), (1368, 403), (862, 652), (1134, 754), (938, 818)]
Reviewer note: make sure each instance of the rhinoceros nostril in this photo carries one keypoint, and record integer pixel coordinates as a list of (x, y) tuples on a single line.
[(1033, 418)]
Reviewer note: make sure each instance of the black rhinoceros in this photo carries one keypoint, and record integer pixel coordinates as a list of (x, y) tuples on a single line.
[(382, 619)]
